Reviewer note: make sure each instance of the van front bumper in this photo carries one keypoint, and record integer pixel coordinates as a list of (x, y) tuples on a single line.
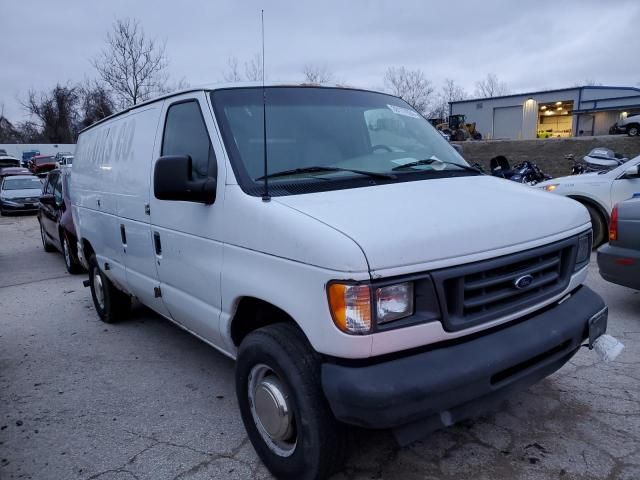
[(421, 392)]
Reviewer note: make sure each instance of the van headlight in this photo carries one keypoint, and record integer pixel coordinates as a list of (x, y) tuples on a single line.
[(583, 255), (353, 306), (394, 302)]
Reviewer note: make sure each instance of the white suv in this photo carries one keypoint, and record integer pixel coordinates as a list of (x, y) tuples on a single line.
[(370, 278)]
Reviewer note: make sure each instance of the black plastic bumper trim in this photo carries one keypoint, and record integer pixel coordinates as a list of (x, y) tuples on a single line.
[(445, 385)]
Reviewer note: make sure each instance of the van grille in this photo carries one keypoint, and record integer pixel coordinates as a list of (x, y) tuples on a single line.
[(484, 291)]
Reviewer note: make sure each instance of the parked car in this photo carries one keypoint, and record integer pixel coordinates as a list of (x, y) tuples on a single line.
[(369, 277), (3, 152), (41, 164), (28, 155), (629, 125), (64, 161), (599, 192), (19, 193), (56, 221), (8, 161), (619, 260), (9, 171)]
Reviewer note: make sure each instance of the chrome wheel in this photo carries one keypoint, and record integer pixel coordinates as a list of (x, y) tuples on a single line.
[(633, 131), (271, 410), (98, 288), (66, 252)]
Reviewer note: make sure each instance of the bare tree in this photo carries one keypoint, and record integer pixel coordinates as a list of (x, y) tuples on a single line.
[(410, 85), (450, 92), (232, 74), (95, 103), (56, 112), (132, 65), (491, 86), (314, 73), (253, 68)]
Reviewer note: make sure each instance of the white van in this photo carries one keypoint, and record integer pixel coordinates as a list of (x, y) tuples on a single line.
[(373, 278)]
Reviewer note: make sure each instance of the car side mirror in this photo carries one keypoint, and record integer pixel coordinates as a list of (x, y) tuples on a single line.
[(632, 172), (172, 180), (47, 199)]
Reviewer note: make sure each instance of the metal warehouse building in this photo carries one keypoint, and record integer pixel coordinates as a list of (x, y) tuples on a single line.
[(566, 112)]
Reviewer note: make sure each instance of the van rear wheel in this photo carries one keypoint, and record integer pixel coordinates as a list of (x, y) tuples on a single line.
[(110, 303), (283, 407)]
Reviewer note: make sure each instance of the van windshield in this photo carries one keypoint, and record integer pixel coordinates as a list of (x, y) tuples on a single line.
[(325, 138)]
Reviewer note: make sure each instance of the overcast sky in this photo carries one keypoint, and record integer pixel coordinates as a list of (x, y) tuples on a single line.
[(530, 45)]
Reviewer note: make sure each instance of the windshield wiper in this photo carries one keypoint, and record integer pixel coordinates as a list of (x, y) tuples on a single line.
[(321, 169), (429, 161)]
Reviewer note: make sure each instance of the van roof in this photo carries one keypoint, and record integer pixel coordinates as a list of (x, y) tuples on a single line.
[(224, 86)]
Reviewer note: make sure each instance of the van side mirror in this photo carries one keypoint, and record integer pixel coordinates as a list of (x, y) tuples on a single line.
[(632, 172), (172, 180)]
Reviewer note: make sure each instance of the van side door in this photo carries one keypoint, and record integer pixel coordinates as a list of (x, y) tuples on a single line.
[(187, 235), (130, 173)]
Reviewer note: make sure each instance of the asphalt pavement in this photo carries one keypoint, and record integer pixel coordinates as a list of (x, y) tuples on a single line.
[(142, 399)]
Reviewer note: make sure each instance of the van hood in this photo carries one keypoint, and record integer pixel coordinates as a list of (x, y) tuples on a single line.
[(410, 223)]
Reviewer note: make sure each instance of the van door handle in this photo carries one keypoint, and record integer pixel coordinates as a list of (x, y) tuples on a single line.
[(156, 242), (123, 235)]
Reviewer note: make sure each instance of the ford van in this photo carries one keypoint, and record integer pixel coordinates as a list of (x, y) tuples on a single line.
[(334, 244)]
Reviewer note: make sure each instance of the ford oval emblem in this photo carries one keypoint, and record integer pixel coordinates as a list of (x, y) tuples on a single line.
[(523, 282)]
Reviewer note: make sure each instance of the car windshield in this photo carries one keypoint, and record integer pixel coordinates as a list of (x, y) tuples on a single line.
[(21, 184), (324, 135)]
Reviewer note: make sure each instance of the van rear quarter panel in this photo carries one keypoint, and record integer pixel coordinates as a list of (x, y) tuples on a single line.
[(110, 182)]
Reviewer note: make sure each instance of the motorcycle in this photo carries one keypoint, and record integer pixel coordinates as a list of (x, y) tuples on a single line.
[(525, 172), (597, 160)]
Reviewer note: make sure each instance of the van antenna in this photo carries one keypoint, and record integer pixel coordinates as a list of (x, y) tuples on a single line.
[(265, 195)]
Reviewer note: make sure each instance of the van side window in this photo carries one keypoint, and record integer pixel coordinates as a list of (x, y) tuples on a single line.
[(186, 134)]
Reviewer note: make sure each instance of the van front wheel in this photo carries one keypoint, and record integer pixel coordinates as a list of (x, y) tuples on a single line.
[(283, 407), (110, 303)]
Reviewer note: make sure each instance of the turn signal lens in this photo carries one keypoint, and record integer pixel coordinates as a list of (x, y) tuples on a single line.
[(551, 188), (350, 307), (613, 225)]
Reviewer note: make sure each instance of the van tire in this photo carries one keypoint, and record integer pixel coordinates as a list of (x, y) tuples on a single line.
[(598, 224), (320, 442), (110, 303)]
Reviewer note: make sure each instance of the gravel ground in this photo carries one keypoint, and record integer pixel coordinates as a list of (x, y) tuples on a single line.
[(144, 400)]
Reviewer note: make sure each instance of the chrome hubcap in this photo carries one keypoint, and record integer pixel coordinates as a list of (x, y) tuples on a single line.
[(67, 254), (271, 410), (98, 288)]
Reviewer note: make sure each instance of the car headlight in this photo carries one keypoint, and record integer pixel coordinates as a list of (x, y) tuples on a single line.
[(352, 305), (584, 250), (11, 202), (394, 302)]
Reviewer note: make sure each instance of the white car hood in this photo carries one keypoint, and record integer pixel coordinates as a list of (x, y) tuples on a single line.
[(411, 223)]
